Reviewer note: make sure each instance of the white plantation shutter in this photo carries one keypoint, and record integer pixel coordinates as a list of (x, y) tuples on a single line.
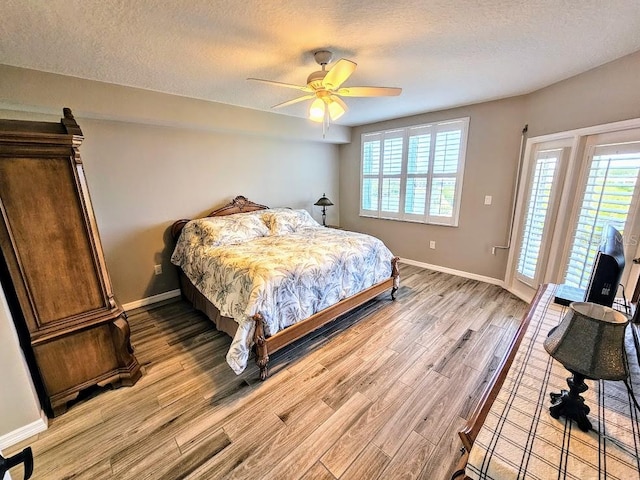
[(445, 169), (420, 178), (371, 149), (609, 193), (537, 215), (418, 154), (447, 152), (391, 174)]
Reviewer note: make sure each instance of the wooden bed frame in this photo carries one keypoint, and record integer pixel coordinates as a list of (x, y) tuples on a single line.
[(266, 345)]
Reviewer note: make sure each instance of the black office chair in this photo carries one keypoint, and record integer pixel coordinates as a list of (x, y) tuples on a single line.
[(26, 457)]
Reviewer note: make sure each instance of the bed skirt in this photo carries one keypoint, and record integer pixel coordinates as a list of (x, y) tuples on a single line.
[(199, 301)]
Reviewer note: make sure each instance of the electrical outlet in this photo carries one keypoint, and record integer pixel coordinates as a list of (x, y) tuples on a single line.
[(157, 269), (432, 244)]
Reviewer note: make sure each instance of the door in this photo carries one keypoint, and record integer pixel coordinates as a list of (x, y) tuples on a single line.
[(573, 188), (609, 192), (543, 181)]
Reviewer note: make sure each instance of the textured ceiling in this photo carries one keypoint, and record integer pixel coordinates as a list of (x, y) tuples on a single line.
[(443, 53)]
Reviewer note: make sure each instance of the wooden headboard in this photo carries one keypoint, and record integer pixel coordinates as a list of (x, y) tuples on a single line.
[(240, 204)]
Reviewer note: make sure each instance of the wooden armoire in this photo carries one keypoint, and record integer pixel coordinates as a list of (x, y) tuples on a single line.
[(74, 334)]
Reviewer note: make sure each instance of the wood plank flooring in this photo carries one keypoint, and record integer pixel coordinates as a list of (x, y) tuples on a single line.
[(379, 394)]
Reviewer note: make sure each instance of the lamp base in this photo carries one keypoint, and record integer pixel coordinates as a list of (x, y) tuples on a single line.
[(570, 404)]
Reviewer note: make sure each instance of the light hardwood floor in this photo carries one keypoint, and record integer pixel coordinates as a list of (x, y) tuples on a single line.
[(380, 393)]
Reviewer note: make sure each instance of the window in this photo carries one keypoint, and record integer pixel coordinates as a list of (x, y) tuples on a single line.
[(414, 173)]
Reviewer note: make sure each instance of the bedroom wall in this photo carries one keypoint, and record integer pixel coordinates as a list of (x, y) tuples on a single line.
[(19, 406), (490, 168), (606, 94), (152, 158), (152, 176)]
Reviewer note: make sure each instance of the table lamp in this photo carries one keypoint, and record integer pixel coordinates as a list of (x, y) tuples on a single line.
[(324, 202), (589, 342)]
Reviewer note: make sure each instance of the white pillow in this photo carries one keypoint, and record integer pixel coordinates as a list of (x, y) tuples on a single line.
[(282, 221), (226, 230)]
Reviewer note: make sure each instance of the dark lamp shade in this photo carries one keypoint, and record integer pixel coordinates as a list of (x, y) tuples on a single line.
[(590, 341), (323, 201)]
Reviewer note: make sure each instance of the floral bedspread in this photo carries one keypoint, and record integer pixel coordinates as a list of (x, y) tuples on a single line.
[(285, 278)]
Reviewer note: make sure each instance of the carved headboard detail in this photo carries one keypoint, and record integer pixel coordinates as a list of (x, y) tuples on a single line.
[(240, 204)]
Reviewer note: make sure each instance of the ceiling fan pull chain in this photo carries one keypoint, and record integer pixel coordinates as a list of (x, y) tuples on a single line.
[(325, 123)]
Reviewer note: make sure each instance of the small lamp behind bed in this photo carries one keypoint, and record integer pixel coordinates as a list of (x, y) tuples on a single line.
[(324, 202)]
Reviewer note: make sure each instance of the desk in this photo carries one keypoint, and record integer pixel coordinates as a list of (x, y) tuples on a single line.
[(512, 435)]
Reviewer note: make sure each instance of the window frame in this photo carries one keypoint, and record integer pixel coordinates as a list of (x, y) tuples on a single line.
[(433, 128)]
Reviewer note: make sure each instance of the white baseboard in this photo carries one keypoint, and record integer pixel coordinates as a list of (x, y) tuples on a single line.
[(521, 294), (152, 299), (22, 433), (459, 273)]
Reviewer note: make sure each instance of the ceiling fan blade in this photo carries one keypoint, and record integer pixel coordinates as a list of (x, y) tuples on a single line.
[(368, 91), (336, 76), (295, 100), (281, 84)]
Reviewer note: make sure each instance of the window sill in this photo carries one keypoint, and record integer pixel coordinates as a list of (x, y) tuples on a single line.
[(406, 220)]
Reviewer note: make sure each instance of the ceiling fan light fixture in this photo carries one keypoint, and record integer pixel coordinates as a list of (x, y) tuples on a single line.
[(335, 110), (316, 111)]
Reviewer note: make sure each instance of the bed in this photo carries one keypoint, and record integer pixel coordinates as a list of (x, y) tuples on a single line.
[(267, 277)]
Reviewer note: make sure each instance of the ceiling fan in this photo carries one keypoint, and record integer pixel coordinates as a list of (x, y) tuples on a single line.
[(325, 87)]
